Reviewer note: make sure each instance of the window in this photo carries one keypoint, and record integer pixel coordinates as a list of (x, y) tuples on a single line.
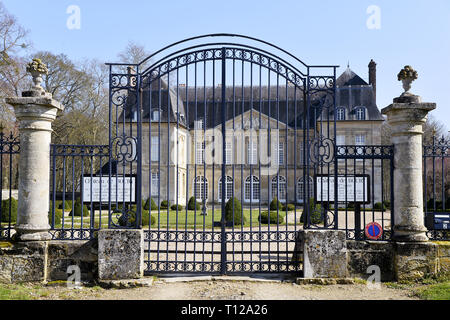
[(228, 152), (280, 153), (360, 139), (302, 186), (252, 152), (279, 189), (199, 152), (155, 184), (156, 115), (155, 149), (252, 190), (340, 140), (228, 188), (200, 123), (200, 188), (340, 114), (360, 113)]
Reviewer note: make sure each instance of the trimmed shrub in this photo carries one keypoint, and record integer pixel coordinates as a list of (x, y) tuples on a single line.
[(150, 204), (273, 216), (289, 207), (315, 212), (193, 205), (379, 206), (58, 217), (146, 218), (387, 204), (67, 204), (165, 204), (5, 210), (233, 206), (77, 209), (275, 204), (174, 207)]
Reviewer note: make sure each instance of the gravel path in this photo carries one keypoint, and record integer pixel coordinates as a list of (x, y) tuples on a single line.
[(236, 290)]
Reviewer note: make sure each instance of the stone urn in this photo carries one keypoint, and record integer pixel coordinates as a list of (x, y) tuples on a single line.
[(407, 84), (37, 69), (407, 75)]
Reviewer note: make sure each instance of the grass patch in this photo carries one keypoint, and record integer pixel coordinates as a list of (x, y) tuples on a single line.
[(21, 292), (439, 291)]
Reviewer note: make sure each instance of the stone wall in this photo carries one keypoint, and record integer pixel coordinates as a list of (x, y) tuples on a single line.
[(46, 261)]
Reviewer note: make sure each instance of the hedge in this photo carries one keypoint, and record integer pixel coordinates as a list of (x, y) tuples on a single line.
[(77, 209), (5, 210)]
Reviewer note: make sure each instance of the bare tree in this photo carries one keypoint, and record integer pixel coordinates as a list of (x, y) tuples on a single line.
[(13, 41)]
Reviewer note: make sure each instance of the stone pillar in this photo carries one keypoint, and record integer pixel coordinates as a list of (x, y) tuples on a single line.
[(406, 117), (35, 111)]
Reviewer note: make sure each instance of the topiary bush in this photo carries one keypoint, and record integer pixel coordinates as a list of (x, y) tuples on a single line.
[(165, 204), (146, 218), (193, 204), (275, 204), (315, 212), (67, 204), (274, 217), (150, 204), (379, 206), (5, 210), (174, 207), (77, 209), (58, 217), (289, 207), (233, 211), (387, 204)]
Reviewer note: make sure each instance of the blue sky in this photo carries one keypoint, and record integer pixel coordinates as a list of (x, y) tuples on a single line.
[(412, 32)]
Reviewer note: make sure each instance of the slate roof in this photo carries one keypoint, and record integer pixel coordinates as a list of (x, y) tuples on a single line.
[(351, 92)]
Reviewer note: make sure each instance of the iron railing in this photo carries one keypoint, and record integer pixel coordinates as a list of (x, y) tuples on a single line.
[(9, 168), (75, 213), (436, 177)]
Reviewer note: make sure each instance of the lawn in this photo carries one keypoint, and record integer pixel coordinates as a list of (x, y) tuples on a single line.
[(173, 219)]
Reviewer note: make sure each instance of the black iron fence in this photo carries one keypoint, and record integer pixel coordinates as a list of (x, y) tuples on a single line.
[(365, 191), (436, 176), (9, 168), (75, 212)]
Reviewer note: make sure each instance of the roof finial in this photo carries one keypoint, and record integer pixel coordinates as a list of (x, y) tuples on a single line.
[(348, 64)]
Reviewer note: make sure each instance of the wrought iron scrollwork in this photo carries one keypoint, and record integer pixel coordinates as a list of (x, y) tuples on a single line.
[(124, 149), (322, 150)]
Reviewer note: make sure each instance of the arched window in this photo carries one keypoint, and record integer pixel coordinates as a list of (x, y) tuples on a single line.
[(301, 187), (228, 188), (200, 188), (252, 189), (279, 189), (340, 113), (360, 113)]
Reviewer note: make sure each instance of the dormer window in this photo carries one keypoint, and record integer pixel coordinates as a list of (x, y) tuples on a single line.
[(340, 114), (156, 114), (360, 113)]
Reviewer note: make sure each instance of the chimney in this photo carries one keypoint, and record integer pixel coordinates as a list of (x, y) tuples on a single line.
[(373, 78)]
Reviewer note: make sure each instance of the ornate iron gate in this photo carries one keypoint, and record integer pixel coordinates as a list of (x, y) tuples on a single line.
[(221, 139)]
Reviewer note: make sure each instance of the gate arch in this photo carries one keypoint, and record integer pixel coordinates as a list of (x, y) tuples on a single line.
[(226, 109)]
